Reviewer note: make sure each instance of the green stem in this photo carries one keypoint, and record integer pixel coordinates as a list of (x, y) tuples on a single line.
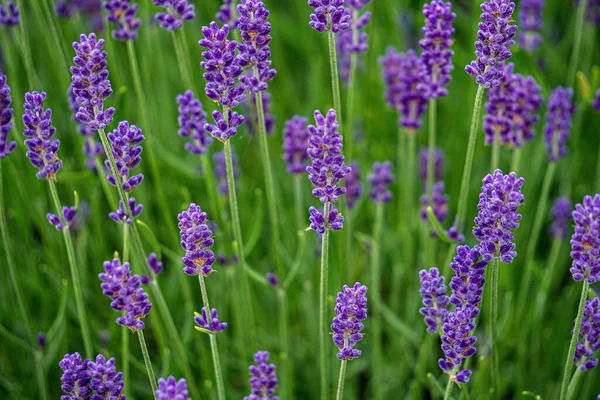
[(57, 39), (335, 81), (494, 324), (340, 389), (549, 277), (375, 292), (397, 272), (349, 137), (429, 241), (516, 161), (211, 187), (85, 331), (39, 373), (495, 154), (182, 61), (574, 339), (298, 202), (149, 369), (125, 332), (448, 390), (34, 80), (284, 339), (574, 383), (323, 333), (579, 24)]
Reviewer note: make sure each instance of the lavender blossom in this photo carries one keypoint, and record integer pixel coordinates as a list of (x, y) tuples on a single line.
[(350, 311), (596, 102), (497, 123), (439, 206), (558, 123), (65, 8), (211, 324), (125, 144), (221, 171), (262, 378), (76, 377), (380, 181), (123, 14), (225, 14), (177, 11), (106, 382), (328, 16), (467, 285), (457, 343), (41, 340), (154, 263), (192, 120), (295, 143), (318, 224), (196, 239), (353, 40), (6, 114), (497, 215), (68, 214), (9, 14), (272, 279), (172, 389), (561, 213), (526, 106), (38, 128), (91, 147), (589, 336), (120, 216), (436, 58), (494, 38), (433, 291), (585, 242), (353, 185), (92, 11), (530, 17), (438, 165)]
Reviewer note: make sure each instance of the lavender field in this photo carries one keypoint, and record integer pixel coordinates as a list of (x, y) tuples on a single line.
[(299, 199)]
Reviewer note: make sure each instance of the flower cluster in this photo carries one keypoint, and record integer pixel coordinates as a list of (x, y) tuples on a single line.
[(125, 144), (497, 215), (295, 142), (120, 216), (558, 123), (272, 279), (467, 285), (353, 185), (221, 171), (262, 378), (172, 389), (350, 311), (458, 343), (154, 263), (91, 11), (329, 16), (498, 120), (589, 336), (192, 119), (91, 147), (561, 214), (530, 16), (527, 101), (380, 181), (68, 214), (210, 322), (353, 40), (9, 14), (177, 12), (86, 379), (585, 242), (225, 14), (433, 291), (438, 165), (494, 38), (126, 293), (39, 130), (123, 14), (596, 102), (439, 206), (196, 239), (6, 114)]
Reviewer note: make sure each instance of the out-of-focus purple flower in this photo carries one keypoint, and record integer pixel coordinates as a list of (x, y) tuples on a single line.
[(226, 14), (177, 11), (350, 311), (192, 120), (558, 123), (585, 242), (438, 165), (172, 389), (120, 216), (196, 239), (212, 323), (272, 279), (458, 343), (125, 144), (90, 82), (380, 181), (9, 14), (155, 264), (494, 38), (91, 148), (561, 214), (497, 123), (467, 285), (68, 215), (454, 235), (104, 338), (39, 130), (402, 74), (126, 293), (295, 143), (251, 121), (106, 382), (433, 292), (526, 106), (41, 340), (353, 40), (353, 185), (123, 14), (329, 16), (436, 58), (263, 378), (497, 215), (335, 222), (221, 171), (530, 18), (6, 114), (596, 102), (439, 206), (92, 11), (76, 377), (589, 336), (65, 8)]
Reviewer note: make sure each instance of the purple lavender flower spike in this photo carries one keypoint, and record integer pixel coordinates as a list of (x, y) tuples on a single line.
[(120, 216), (91, 147), (353, 185), (65, 8), (263, 378), (221, 171), (439, 206), (172, 389), (6, 114), (211, 324), (494, 38), (155, 264), (467, 285), (433, 291), (585, 242), (497, 123), (126, 294), (380, 181), (272, 279), (561, 214), (530, 17), (295, 143), (192, 120), (123, 14), (527, 102), (76, 377), (589, 336), (350, 311), (335, 222), (222, 130), (106, 382), (10, 14), (177, 11), (196, 239), (596, 102), (353, 40), (438, 165), (68, 214), (225, 14), (38, 128), (436, 58), (497, 215), (125, 144), (558, 123), (90, 82), (329, 16), (457, 343), (454, 235)]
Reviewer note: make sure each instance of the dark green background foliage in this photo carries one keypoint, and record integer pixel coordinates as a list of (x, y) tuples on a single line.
[(532, 347)]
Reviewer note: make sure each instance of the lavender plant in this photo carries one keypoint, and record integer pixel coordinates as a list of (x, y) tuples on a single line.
[(172, 389), (262, 378)]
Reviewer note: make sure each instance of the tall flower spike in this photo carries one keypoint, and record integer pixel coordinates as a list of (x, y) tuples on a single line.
[(436, 58), (380, 181), (68, 214), (76, 377), (39, 130), (106, 382), (123, 14), (91, 147), (467, 284), (585, 242), (353, 185), (9, 14), (177, 11), (172, 389), (497, 215), (225, 14), (498, 121), (527, 102), (196, 239), (438, 165), (295, 143), (558, 123), (588, 342), (90, 82), (596, 102), (120, 216), (221, 171), (192, 120), (210, 322), (353, 40), (328, 16), (439, 206), (262, 378), (350, 311), (457, 343), (125, 144), (85, 379), (561, 214), (530, 16), (6, 114), (154, 263), (494, 38), (433, 292)]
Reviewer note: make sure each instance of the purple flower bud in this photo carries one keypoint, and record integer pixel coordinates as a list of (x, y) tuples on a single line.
[(558, 123), (211, 324), (435, 300), (263, 378), (525, 109), (561, 214), (596, 102), (68, 214), (192, 120), (317, 220), (221, 171), (454, 235), (439, 206), (125, 143), (6, 114), (9, 14), (295, 143), (225, 14), (380, 181), (329, 16), (91, 147), (123, 14), (65, 8), (457, 343), (530, 17), (272, 279), (177, 12), (585, 242), (467, 285), (154, 263), (196, 239), (223, 129), (438, 165), (350, 311), (120, 216), (353, 185), (353, 40), (41, 340), (106, 382), (171, 389), (589, 336)]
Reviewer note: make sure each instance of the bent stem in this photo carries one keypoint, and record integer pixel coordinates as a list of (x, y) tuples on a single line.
[(149, 369), (375, 287), (335, 81), (323, 306), (340, 389)]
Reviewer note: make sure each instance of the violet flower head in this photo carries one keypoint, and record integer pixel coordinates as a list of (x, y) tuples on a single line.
[(352, 41), (68, 215), (335, 221), (561, 215), (295, 143), (272, 279), (91, 147), (494, 38), (329, 16), (350, 311), (6, 114), (223, 128), (436, 58), (106, 382), (527, 101), (530, 18), (65, 8), (458, 343), (123, 14), (9, 14), (440, 203), (196, 239), (596, 102), (177, 11), (497, 123), (221, 171), (76, 377), (210, 323), (433, 292), (225, 14), (589, 336), (125, 144), (90, 82), (263, 378), (380, 181), (120, 216), (353, 185), (192, 120), (39, 130), (172, 389), (558, 122), (467, 284), (585, 242), (438, 165), (155, 264)]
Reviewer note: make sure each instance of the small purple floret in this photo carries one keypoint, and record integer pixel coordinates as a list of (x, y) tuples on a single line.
[(177, 11), (212, 323)]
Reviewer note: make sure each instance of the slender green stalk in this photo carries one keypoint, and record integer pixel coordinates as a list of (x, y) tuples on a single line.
[(335, 81), (57, 39), (125, 332), (39, 374), (149, 369), (579, 24), (323, 333), (408, 206), (23, 43), (85, 331), (495, 155), (376, 368), (552, 268), (340, 389), (494, 324), (574, 383), (448, 391), (574, 338), (516, 160), (423, 357), (349, 136), (284, 339), (298, 202), (429, 241), (211, 187), (397, 272), (182, 61)]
